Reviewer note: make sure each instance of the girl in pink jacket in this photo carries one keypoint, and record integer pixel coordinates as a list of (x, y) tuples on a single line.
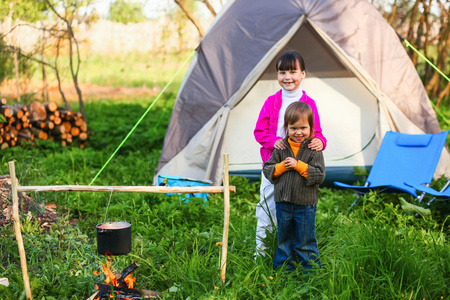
[(269, 133)]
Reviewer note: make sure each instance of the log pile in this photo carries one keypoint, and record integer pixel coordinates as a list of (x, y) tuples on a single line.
[(45, 121)]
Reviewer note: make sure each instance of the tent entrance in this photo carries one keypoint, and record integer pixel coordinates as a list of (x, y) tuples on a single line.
[(348, 111)]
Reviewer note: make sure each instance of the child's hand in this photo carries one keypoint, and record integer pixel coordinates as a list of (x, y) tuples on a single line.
[(290, 163), (279, 145), (316, 144)]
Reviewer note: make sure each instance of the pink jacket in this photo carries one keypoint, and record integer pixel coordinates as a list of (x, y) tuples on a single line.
[(266, 126)]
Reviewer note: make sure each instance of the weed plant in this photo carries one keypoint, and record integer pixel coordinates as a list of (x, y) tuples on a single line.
[(376, 250)]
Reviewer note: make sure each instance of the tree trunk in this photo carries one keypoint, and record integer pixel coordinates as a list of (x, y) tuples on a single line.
[(16, 68), (443, 47), (443, 93), (410, 34)]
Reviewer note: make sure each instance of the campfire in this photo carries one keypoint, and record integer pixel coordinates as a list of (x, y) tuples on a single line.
[(120, 285)]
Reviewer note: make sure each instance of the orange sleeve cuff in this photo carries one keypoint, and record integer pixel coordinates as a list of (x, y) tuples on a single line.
[(302, 168), (279, 169)]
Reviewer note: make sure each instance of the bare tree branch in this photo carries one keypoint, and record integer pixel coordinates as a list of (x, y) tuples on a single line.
[(190, 16), (209, 6), (68, 20)]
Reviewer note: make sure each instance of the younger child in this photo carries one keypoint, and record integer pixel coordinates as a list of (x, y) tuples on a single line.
[(269, 133), (296, 171)]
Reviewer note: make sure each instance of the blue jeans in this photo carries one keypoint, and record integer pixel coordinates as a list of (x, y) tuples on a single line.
[(296, 237)]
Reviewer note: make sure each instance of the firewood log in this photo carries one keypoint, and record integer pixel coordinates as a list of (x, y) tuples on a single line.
[(75, 131), (50, 106), (6, 111), (57, 120), (25, 134), (43, 135), (17, 111), (83, 127), (37, 111), (39, 133), (58, 130), (14, 132), (49, 125), (67, 125), (83, 136), (79, 121)]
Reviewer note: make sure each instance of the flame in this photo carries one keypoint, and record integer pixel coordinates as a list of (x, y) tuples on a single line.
[(130, 280), (111, 279)]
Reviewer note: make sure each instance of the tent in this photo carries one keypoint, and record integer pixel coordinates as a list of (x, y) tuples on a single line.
[(358, 72)]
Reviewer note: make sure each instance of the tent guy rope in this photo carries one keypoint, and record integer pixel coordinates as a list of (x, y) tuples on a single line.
[(142, 117), (407, 43)]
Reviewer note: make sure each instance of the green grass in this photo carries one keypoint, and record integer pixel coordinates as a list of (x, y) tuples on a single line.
[(375, 251), (134, 70), (150, 70)]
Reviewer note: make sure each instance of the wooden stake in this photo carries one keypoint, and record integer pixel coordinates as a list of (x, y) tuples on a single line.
[(23, 259), (226, 221)]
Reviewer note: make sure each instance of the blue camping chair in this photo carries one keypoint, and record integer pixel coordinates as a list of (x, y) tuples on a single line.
[(403, 162), (444, 193)]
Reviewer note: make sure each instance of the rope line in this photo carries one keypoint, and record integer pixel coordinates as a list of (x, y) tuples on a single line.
[(426, 59), (437, 69), (143, 116), (440, 113), (348, 156)]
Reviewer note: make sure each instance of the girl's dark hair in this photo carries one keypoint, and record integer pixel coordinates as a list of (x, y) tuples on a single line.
[(296, 111), (290, 60)]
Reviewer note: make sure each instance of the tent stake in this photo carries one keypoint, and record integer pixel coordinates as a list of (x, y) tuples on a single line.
[(226, 222), (23, 259)]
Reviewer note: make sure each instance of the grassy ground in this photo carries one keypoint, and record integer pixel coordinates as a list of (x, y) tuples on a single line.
[(377, 250)]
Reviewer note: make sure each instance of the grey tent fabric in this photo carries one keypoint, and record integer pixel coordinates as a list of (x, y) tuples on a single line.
[(346, 40)]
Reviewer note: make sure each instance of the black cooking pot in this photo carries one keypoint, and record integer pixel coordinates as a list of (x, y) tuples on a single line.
[(114, 238)]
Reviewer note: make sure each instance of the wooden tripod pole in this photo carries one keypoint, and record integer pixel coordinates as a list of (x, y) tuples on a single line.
[(226, 221), (23, 259)]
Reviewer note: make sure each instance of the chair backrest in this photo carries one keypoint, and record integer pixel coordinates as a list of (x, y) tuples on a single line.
[(410, 158)]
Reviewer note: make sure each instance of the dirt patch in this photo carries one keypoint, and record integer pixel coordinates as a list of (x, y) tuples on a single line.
[(45, 214), (89, 91)]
